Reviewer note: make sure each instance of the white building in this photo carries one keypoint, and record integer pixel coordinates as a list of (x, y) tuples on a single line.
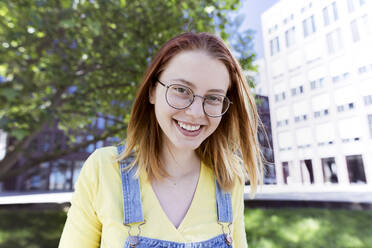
[(260, 78), (2, 144), (3, 136), (319, 72)]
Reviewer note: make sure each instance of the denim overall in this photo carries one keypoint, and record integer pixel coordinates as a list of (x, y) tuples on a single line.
[(133, 214)]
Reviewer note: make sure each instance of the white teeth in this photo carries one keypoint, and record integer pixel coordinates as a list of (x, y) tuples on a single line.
[(188, 127)]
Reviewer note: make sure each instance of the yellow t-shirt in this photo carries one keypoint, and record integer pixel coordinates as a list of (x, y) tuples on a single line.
[(95, 218)]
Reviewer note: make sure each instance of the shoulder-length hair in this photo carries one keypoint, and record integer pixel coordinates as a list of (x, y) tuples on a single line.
[(232, 151)]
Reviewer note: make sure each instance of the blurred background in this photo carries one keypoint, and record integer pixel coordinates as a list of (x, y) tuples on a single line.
[(69, 70)]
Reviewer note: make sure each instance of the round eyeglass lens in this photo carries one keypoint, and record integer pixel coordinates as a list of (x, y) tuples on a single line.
[(179, 96), (216, 105)]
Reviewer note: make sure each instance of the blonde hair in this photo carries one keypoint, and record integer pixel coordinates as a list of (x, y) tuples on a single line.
[(232, 151)]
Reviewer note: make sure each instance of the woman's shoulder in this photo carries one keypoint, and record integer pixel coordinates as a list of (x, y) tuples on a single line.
[(107, 151), (102, 157), (104, 153)]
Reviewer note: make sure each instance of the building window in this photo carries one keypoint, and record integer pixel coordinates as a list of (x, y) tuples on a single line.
[(335, 79), (326, 16), (313, 85), (347, 106), (297, 91), (360, 28), (285, 172), (293, 91), (329, 170), (290, 37), (370, 124), (350, 5), (346, 75), (321, 113), (274, 46), (355, 169), (365, 24), (282, 123), (316, 84), (334, 41), (334, 11), (340, 77), (300, 118), (330, 14), (309, 26), (280, 97), (362, 69), (354, 31), (368, 100), (340, 108), (307, 173)]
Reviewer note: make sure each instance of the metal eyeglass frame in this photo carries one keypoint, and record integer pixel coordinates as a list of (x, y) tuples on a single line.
[(193, 98)]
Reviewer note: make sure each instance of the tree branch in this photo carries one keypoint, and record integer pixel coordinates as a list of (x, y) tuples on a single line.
[(53, 155), (17, 150)]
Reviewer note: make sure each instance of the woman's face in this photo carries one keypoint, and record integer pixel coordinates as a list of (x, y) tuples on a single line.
[(187, 128)]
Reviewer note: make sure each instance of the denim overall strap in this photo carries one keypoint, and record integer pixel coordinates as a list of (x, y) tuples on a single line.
[(224, 206), (131, 192)]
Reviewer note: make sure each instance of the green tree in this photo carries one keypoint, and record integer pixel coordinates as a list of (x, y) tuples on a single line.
[(73, 60)]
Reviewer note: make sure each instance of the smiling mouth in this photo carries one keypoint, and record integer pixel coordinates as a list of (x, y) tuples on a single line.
[(188, 127)]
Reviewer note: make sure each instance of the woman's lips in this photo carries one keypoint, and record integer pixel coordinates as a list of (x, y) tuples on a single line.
[(187, 132)]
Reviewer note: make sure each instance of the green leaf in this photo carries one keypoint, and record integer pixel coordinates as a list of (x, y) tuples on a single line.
[(122, 3), (9, 94), (19, 134), (67, 23)]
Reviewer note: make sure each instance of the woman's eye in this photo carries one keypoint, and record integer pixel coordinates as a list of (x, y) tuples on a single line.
[(214, 99), (181, 90)]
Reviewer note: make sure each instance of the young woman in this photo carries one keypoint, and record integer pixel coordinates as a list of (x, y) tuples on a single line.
[(179, 179)]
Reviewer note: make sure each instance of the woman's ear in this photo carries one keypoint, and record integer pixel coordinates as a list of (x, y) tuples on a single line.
[(152, 93)]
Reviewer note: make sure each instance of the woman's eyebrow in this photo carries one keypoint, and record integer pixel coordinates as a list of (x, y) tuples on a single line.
[(190, 84)]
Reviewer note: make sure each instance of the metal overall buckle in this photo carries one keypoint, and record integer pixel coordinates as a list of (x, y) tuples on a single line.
[(133, 240), (228, 237)]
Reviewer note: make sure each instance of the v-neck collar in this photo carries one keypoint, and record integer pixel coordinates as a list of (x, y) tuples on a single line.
[(194, 202)]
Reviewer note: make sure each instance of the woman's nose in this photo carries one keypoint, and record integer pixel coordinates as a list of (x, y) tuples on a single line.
[(196, 107)]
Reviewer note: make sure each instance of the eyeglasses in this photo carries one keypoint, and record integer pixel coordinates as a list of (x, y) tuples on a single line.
[(179, 96)]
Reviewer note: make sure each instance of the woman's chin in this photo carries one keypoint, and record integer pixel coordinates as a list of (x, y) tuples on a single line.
[(186, 146)]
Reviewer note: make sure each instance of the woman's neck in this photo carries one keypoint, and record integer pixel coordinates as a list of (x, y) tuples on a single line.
[(179, 163)]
